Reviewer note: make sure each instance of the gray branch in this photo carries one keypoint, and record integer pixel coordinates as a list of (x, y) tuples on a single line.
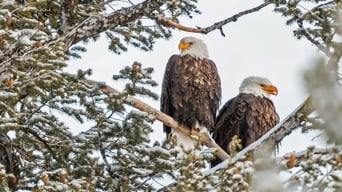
[(94, 25)]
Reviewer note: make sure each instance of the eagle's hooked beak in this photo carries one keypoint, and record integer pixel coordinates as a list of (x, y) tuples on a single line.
[(184, 45), (270, 89)]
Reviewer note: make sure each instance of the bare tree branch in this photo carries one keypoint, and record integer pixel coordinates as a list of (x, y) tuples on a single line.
[(168, 22), (204, 138)]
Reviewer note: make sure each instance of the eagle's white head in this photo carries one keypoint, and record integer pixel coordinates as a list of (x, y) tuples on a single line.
[(258, 86), (194, 47)]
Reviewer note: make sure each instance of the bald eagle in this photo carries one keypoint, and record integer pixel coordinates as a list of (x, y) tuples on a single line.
[(246, 117), (191, 90)]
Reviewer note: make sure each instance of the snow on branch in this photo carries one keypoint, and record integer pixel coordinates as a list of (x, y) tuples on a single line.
[(167, 120), (98, 24), (303, 155), (300, 22), (218, 25)]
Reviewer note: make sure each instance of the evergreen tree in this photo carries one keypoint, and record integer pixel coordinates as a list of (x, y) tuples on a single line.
[(39, 152)]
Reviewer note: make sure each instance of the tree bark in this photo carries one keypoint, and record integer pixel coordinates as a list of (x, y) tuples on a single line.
[(96, 25)]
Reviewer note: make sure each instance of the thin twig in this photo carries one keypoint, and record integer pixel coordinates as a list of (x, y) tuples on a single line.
[(234, 18), (168, 22)]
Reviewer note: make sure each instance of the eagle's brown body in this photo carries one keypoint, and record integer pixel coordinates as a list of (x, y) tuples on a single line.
[(249, 115), (191, 91)]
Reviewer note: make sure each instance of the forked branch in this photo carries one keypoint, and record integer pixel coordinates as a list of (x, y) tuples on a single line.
[(218, 25)]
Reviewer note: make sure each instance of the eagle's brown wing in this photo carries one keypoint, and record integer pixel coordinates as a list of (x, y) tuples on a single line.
[(247, 116)]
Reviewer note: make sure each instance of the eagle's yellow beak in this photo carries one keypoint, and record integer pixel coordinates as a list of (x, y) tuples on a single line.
[(270, 89), (184, 45)]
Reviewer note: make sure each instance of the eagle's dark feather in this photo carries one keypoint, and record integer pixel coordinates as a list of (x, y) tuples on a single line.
[(247, 116), (191, 91)]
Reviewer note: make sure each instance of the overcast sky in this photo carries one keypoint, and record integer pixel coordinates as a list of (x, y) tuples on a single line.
[(257, 44)]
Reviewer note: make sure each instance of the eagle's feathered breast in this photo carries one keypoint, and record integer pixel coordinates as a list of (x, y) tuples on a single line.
[(191, 91)]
